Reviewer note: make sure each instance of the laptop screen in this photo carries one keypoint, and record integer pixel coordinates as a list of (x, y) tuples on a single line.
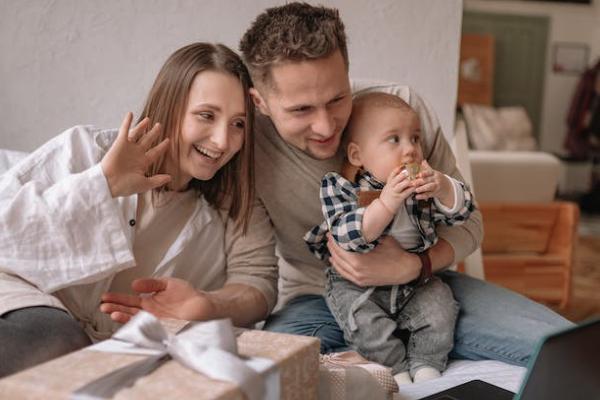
[(567, 366)]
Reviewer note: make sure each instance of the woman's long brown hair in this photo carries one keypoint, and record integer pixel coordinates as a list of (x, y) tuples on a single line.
[(232, 186)]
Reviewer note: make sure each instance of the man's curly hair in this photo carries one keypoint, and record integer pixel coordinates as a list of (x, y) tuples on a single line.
[(293, 32)]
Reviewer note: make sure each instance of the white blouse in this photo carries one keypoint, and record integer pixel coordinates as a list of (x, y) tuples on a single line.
[(63, 238)]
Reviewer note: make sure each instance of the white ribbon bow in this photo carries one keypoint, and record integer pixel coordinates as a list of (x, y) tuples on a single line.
[(209, 348)]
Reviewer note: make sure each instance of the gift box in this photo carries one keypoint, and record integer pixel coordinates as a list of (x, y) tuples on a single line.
[(296, 359), (348, 375)]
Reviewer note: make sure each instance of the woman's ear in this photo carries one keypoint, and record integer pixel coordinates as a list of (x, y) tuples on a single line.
[(353, 154), (259, 102)]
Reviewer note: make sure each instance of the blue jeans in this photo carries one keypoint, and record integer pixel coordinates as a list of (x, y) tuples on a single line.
[(493, 322), (32, 335)]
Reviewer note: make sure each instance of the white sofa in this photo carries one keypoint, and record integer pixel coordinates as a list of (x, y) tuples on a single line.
[(514, 176), (511, 176)]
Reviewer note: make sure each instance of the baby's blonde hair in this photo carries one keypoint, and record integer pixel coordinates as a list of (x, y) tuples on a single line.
[(370, 100), (360, 104)]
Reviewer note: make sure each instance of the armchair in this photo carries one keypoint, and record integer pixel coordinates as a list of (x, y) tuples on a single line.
[(529, 239)]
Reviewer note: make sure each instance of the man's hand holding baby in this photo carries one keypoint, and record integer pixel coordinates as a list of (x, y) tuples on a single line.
[(432, 183)]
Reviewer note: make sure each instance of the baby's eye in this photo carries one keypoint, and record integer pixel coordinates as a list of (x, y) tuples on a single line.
[(393, 139), (415, 139)]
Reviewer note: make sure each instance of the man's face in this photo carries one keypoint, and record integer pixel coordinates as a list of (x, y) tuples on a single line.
[(309, 103)]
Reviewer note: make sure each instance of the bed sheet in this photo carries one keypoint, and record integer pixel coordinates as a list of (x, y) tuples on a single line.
[(497, 373)]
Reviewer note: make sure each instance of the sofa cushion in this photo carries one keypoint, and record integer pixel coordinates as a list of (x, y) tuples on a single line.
[(514, 176)]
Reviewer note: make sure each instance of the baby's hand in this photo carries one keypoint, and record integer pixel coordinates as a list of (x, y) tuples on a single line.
[(396, 190), (432, 183)]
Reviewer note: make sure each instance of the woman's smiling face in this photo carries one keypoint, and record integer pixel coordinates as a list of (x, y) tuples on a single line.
[(212, 128)]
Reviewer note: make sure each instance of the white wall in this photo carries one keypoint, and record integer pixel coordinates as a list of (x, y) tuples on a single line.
[(568, 23), (67, 62)]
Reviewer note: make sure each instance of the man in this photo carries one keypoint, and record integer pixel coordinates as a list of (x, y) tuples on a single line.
[(298, 60)]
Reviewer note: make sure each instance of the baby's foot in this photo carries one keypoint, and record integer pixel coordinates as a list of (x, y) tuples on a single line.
[(402, 378), (425, 374)]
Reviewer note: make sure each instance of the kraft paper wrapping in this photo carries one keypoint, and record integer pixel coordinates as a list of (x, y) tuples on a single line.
[(297, 358), (349, 376)]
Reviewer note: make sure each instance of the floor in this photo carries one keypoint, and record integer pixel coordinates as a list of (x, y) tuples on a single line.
[(585, 290)]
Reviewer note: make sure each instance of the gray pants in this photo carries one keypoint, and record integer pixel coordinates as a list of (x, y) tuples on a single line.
[(32, 335), (419, 334)]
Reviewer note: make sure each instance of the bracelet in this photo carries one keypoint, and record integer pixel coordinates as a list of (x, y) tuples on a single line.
[(426, 272)]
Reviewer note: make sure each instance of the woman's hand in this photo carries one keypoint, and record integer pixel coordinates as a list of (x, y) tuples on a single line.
[(165, 298), (128, 159), (432, 183)]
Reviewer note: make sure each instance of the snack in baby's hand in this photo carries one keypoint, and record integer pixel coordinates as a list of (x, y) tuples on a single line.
[(412, 169)]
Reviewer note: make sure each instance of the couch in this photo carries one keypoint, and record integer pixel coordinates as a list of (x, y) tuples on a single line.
[(530, 239)]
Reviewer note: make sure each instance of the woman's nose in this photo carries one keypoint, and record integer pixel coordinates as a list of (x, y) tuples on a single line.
[(220, 136)]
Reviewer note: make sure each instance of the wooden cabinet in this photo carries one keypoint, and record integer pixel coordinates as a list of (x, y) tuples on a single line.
[(529, 248)]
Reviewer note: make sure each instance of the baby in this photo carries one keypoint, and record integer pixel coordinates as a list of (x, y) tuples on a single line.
[(410, 327)]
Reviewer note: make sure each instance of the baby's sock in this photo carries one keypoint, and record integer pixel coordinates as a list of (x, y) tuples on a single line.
[(402, 378), (425, 374)]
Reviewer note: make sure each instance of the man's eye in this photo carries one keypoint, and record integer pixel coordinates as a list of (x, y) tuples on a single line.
[(301, 109)]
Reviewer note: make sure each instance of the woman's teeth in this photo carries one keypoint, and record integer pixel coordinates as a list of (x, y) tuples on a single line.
[(208, 153)]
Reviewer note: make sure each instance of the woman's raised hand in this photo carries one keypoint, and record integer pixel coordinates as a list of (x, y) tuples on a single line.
[(129, 158)]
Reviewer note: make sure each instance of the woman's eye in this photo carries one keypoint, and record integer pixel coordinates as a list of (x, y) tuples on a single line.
[(206, 115), (240, 124)]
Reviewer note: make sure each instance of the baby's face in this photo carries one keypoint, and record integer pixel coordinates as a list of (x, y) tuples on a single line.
[(386, 138)]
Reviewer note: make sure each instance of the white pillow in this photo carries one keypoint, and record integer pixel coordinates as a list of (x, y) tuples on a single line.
[(503, 128)]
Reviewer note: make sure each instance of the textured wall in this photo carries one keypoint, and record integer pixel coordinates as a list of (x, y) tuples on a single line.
[(572, 23), (67, 62)]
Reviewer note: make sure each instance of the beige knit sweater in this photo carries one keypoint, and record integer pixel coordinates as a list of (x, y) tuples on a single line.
[(288, 184)]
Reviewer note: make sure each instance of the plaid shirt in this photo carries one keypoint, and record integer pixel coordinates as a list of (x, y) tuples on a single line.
[(343, 216)]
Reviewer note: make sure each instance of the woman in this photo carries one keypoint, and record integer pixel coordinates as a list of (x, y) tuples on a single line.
[(92, 210)]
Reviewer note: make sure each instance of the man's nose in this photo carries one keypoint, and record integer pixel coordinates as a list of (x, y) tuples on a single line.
[(323, 123)]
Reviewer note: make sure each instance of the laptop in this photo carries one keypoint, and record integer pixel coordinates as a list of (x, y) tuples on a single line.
[(565, 366)]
